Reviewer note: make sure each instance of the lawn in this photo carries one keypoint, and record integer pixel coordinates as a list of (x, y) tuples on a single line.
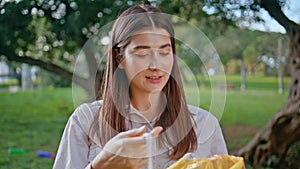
[(245, 112), (34, 120)]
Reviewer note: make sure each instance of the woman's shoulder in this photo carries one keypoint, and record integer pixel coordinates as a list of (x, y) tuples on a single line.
[(87, 110), (84, 114), (200, 114), (206, 123)]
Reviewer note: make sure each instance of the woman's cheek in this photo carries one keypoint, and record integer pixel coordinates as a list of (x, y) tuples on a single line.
[(167, 67), (140, 65)]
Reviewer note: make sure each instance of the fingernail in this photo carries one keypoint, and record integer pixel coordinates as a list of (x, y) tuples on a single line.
[(157, 131), (160, 128)]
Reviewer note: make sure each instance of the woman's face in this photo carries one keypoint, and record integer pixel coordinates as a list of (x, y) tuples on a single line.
[(148, 60)]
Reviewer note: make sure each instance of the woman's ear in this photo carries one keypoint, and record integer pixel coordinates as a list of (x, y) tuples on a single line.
[(118, 59)]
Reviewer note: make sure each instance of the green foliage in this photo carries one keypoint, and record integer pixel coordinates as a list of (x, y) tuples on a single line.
[(235, 43), (65, 26), (255, 47), (52, 31), (51, 79), (55, 31), (213, 16)]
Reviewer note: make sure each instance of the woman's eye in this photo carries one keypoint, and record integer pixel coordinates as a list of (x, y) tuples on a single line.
[(164, 53), (141, 54)]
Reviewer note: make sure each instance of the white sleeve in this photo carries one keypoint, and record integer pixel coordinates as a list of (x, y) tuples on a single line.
[(74, 146), (210, 136), (218, 145)]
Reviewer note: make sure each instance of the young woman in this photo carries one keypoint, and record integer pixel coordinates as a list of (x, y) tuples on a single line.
[(142, 92)]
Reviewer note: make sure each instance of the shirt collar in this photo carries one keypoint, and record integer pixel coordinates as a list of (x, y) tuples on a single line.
[(136, 116)]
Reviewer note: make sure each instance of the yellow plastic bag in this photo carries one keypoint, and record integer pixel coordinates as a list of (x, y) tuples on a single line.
[(215, 162)]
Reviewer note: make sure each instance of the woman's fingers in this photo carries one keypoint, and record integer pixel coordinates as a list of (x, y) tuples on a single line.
[(156, 131), (140, 131), (128, 149), (134, 141), (134, 132)]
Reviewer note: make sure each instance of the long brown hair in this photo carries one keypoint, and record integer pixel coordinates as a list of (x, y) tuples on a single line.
[(176, 118)]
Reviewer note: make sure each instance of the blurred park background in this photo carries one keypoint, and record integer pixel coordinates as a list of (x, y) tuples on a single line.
[(41, 41)]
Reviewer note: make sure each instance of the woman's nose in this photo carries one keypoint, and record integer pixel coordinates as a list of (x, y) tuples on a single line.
[(153, 65), (153, 62)]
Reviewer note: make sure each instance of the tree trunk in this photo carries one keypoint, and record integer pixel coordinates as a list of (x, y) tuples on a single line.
[(52, 68), (243, 73), (283, 129)]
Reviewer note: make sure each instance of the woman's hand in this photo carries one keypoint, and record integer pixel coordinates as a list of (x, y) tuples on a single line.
[(125, 150)]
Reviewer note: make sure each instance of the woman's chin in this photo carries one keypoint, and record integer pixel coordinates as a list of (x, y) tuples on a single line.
[(154, 90)]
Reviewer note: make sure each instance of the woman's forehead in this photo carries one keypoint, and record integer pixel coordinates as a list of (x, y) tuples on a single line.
[(152, 30), (151, 37)]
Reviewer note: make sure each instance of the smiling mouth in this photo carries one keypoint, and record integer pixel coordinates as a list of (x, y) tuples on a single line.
[(153, 77)]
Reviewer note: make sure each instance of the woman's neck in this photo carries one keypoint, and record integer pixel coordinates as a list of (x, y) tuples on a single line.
[(149, 104)]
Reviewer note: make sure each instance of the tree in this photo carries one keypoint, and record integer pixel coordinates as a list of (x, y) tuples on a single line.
[(50, 33), (283, 129), (240, 41)]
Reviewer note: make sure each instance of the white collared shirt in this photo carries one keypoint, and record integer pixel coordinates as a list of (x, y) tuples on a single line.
[(77, 149)]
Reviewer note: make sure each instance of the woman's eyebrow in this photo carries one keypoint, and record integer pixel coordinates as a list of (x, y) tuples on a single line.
[(141, 47), (164, 46), (148, 47)]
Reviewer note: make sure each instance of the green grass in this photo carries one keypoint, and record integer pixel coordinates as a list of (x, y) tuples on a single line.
[(257, 82), (34, 120), (253, 107), (245, 112)]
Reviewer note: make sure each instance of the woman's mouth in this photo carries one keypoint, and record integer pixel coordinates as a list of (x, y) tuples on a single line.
[(154, 79)]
